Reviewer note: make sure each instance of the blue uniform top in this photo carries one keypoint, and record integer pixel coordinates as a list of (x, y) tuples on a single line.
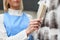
[(15, 24)]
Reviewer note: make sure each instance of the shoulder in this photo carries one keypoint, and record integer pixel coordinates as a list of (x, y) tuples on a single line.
[(1, 18), (1, 15), (28, 15), (2, 29)]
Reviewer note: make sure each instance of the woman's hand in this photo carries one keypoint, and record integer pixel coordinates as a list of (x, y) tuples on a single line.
[(34, 25)]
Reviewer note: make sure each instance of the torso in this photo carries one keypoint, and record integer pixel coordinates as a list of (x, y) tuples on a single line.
[(2, 21)]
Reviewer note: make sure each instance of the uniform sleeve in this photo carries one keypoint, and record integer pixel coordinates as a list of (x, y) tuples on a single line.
[(20, 36), (3, 36), (29, 16)]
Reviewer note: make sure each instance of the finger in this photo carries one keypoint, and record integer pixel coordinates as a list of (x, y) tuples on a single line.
[(35, 20), (34, 26), (34, 23)]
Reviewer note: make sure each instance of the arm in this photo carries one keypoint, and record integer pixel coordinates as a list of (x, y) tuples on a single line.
[(20, 36)]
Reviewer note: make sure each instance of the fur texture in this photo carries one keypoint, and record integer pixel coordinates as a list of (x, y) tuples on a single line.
[(50, 26)]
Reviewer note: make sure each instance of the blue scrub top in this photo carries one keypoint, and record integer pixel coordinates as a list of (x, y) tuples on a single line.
[(15, 24)]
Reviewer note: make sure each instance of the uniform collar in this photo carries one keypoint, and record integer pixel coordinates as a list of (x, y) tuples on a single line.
[(15, 12)]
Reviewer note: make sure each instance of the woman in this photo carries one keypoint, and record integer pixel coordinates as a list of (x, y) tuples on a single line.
[(14, 24)]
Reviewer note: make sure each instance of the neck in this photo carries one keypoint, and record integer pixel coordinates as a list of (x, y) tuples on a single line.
[(15, 8)]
